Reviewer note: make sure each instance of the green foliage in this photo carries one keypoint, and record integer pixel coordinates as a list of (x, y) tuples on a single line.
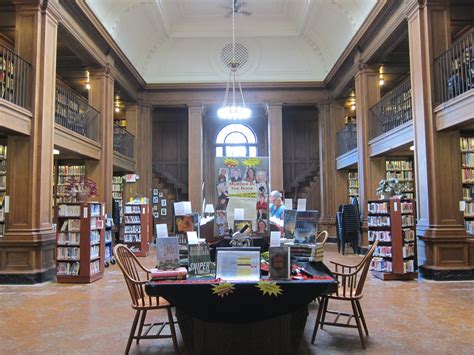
[(391, 186)]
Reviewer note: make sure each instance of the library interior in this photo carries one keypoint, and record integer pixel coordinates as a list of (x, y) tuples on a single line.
[(240, 177)]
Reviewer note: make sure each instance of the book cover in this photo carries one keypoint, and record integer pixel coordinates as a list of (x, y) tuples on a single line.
[(200, 260), (167, 252), (279, 264), (186, 223), (179, 273), (289, 223), (240, 223), (306, 226)]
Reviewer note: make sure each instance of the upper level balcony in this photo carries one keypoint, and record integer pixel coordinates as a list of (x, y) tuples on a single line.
[(347, 146), (123, 141)]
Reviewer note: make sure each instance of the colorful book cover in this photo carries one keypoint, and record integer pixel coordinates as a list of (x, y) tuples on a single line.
[(241, 223), (179, 273), (279, 264), (186, 223), (200, 260), (306, 226), (167, 252), (289, 223)]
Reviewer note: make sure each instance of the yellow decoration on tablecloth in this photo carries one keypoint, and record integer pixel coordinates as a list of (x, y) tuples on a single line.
[(231, 163), (270, 288), (223, 289), (251, 162)]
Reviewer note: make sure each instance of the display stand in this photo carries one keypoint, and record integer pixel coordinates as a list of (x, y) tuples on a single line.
[(80, 242), (137, 230), (392, 223)]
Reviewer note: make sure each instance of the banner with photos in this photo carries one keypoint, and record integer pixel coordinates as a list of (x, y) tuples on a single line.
[(242, 194)]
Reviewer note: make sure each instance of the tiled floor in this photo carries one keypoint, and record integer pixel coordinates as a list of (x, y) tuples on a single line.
[(415, 317)]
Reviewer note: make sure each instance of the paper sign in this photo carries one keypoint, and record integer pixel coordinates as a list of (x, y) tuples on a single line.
[(301, 204), (239, 213), (187, 207), (6, 204), (192, 238), (462, 206), (161, 230), (275, 238), (288, 204), (178, 209), (395, 206)]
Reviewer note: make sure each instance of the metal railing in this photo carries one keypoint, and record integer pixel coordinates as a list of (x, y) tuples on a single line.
[(74, 113), (393, 110), (454, 69), (14, 78), (346, 139), (123, 141)]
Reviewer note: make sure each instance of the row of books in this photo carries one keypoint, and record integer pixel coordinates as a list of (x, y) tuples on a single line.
[(117, 195), (68, 253), (95, 252), (407, 186), (406, 207), (467, 144), (469, 225), (381, 236), (71, 225), (399, 165), (95, 209), (108, 236), (378, 221), (3, 151), (467, 193), (95, 267), (116, 187), (469, 209), (400, 175), (353, 183), (69, 210), (354, 192), (71, 170), (95, 237), (117, 179), (133, 229), (384, 251), (3, 182), (408, 220), (408, 250), (130, 209), (381, 264), (408, 235), (69, 238), (467, 175), (132, 219), (378, 207), (467, 160), (132, 238), (68, 268)]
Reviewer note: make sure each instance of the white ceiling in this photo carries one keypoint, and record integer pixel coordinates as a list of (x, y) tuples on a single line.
[(180, 41)]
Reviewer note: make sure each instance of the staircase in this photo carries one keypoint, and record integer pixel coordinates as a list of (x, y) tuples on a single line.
[(306, 185)]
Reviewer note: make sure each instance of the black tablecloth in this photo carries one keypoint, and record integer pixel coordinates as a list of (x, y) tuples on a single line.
[(246, 302)]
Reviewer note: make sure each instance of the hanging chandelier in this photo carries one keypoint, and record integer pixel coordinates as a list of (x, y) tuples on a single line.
[(233, 111)]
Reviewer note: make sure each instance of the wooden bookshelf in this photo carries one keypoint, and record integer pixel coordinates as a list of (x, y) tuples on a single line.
[(80, 242), (67, 171), (137, 230), (3, 186), (467, 178), (402, 169), (353, 178), (393, 223)]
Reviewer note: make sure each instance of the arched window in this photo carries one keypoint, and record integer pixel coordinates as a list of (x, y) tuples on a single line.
[(236, 140)]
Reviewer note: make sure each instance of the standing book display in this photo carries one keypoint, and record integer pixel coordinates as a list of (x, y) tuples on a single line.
[(137, 228), (80, 242), (392, 223)]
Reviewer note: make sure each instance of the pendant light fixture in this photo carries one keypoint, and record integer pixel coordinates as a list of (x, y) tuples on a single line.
[(234, 111)]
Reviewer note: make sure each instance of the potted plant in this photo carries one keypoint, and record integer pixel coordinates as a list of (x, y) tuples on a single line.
[(388, 188)]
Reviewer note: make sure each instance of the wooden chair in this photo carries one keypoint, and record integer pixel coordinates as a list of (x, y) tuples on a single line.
[(351, 280), (141, 302)]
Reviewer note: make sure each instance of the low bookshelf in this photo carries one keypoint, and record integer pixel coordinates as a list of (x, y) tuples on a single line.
[(80, 242), (137, 227), (392, 223)]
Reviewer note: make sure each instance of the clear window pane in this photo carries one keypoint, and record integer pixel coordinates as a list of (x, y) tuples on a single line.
[(236, 151), (252, 151), (219, 151)]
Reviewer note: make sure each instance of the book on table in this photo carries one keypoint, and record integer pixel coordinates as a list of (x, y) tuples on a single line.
[(279, 265), (167, 252)]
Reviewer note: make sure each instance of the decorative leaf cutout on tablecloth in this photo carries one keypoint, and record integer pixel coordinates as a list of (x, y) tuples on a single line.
[(270, 288), (223, 289)]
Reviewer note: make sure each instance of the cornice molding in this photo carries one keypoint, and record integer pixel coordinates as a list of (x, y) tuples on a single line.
[(250, 85)]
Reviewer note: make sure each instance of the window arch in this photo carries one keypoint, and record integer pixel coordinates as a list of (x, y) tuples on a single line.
[(236, 140)]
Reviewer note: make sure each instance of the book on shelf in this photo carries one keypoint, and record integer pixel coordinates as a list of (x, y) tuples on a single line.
[(69, 210), (94, 267), (466, 144), (132, 209), (68, 253), (67, 268), (399, 165), (167, 253), (279, 262), (71, 225), (69, 238)]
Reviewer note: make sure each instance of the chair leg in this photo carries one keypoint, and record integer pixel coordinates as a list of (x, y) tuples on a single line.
[(361, 314), (318, 319), (173, 330), (359, 325), (140, 327), (132, 332), (325, 308)]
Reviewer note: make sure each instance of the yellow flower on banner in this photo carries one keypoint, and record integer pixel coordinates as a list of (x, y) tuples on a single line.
[(223, 289), (269, 287), (251, 162), (231, 163)]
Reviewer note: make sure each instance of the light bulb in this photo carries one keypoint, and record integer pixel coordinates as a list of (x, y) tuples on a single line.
[(88, 86), (117, 110), (234, 113), (381, 81), (353, 107)]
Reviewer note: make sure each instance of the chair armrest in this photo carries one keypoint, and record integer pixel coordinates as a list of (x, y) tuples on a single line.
[(345, 274), (346, 266)]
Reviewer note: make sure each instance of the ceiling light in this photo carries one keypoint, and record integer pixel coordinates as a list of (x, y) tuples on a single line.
[(412, 147), (117, 109), (56, 152), (233, 111), (353, 107), (88, 86), (381, 81)]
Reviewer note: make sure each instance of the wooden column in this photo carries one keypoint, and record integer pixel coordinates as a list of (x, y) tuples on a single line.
[(442, 243), (101, 97), (330, 120), (275, 145), (371, 170), (27, 251), (195, 157)]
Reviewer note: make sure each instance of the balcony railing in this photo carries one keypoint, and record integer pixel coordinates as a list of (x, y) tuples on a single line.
[(14, 78), (393, 110), (346, 139), (123, 141), (74, 113), (454, 69)]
